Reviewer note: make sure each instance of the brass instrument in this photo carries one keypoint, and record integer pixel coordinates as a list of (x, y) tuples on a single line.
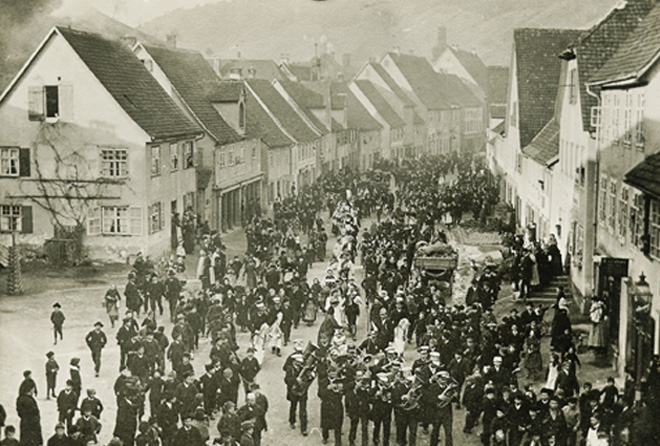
[(410, 401), (448, 394), (307, 373)]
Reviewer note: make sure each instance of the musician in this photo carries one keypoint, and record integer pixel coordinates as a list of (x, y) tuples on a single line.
[(296, 391), (358, 407), (332, 408), (406, 394), (441, 393), (422, 361), (381, 412)]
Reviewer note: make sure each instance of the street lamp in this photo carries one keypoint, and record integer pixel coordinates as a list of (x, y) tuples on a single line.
[(643, 297)]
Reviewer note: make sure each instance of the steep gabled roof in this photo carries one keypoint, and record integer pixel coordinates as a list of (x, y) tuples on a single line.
[(380, 104), (358, 116), (391, 84), (306, 100), (473, 65), (263, 68), (282, 111), (544, 148), (595, 47), (635, 54), (538, 67), (123, 75), (302, 71), (422, 78), (259, 124), (192, 77), (644, 176), (225, 91), (456, 91), (498, 81)]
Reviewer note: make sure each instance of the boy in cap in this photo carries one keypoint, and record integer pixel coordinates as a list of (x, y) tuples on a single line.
[(59, 438), (10, 440), (67, 401), (249, 369), (57, 318), (93, 403), (96, 340), (52, 367)]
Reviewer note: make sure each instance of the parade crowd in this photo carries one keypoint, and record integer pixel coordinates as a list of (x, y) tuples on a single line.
[(424, 357)]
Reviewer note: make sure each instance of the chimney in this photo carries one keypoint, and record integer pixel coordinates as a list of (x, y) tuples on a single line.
[(346, 60), (129, 41), (171, 40), (252, 73), (238, 54), (441, 44), (284, 58)]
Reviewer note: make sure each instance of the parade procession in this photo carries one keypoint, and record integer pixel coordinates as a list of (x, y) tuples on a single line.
[(215, 231)]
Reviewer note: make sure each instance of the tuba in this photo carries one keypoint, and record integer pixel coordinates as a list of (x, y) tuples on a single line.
[(410, 401), (307, 373), (448, 393)]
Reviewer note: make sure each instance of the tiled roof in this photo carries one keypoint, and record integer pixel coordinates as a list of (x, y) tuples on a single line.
[(644, 176), (130, 84), (498, 111), (423, 79), (538, 68), (544, 148), (263, 68), (301, 72), (392, 85), (306, 100), (498, 84), (259, 124), (282, 111), (641, 47), (192, 76), (596, 46), (456, 91), (417, 120), (380, 104), (336, 125), (225, 91), (358, 116), (474, 65)]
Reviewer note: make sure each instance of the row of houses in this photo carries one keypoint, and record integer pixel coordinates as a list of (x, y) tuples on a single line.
[(579, 156), (115, 139)]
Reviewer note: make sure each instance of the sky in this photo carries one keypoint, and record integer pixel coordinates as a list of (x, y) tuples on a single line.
[(136, 12)]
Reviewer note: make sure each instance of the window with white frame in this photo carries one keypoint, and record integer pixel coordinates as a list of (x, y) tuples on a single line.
[(602, 201), (623, 213), (627, 120), (639, 122), (9, 161), (654, 229), (10, 218), (174, 157), (156, 217), (188, 155), (114, 162), (636, 218), (114, 220), (222, 158), (155, 160), (611, 220)]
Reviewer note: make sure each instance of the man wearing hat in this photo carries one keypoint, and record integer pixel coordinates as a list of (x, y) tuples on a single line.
[(247, 433), (249, 369), (382, 409), (59, 438), (67, 401), (124, 336), (96, 340), (57, 318), (52, 367), (188, 435), (296, 388)]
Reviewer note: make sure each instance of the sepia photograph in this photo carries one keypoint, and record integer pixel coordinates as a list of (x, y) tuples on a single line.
[(329, 222)]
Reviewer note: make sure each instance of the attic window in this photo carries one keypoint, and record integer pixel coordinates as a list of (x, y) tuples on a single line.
[(52, 101), (241, 115)]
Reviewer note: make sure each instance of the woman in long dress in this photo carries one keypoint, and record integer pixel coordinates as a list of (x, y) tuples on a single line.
[(597, 316), (111, 303), (400, 332), (553, 371)]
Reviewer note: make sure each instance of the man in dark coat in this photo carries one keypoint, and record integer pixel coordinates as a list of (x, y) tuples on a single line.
[(132, 294), (57, 318), (332, 412), (28, 411), (27, 384), (93, 403), (126, 423), (188, 435), (96, 340), (124, 336), (328, 326), (67, 401), (296, 391)]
